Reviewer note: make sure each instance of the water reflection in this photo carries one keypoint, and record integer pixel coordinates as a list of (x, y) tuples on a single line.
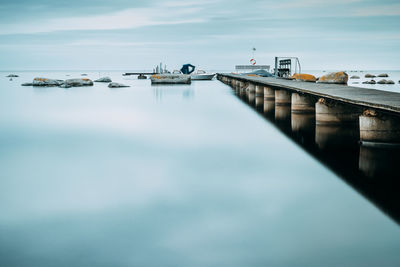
[(372, 171)]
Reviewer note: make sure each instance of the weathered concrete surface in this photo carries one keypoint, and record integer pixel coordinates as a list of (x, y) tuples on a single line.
[(368, 98), (376, 127), (328, 112), (303, 103), (269, 94), (282, 97)]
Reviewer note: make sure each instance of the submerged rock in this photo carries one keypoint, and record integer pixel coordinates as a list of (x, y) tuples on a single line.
[(340, 77), (12, 76), (383, 75), (355, 77), (104, 80), (304, 77), (46, 82), (117, 85), (64, 85), (79, 82), (369, 76), (27, 84)]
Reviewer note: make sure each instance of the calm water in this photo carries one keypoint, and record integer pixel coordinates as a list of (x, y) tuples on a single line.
[(170, 176)]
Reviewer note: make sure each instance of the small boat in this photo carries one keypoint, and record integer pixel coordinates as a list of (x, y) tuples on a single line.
[(170, 79), (201, 75)]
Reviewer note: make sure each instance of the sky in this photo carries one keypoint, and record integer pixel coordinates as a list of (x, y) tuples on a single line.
[(211, 34)]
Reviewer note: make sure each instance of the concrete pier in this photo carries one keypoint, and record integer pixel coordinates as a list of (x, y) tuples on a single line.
[(282, 98), (337, 105), (303, 103), (328, 112)]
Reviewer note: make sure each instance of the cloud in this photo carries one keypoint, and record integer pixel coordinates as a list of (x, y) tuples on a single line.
[(126, 19)]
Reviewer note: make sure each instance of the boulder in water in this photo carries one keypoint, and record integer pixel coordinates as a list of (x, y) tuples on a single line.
[(104, 80), (64, 85), (46, 82), (340, 77), (389, 82), (385, 75), (369, 76), (142, 77), (117, 85), (370, 82), (304, 77), (12, 76), (79, 82), (383, 81), (355, 77)]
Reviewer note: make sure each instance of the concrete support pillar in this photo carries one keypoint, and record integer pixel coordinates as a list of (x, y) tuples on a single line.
[(303, 103), (329, 112), (259, 90), (259, 101), (379, 128), (282, 98), (251, 97), (269, 94), (252, 88)]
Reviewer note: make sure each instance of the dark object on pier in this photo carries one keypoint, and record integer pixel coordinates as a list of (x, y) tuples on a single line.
[(262, 73), (142, 77), (185, 68), (283, 66)]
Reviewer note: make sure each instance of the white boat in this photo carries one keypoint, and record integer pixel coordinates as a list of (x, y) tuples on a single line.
[(202, 75)]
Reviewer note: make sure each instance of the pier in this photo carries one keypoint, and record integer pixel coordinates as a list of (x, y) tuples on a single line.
[(375, 113)]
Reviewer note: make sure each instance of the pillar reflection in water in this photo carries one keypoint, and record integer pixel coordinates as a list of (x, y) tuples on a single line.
[(282, 117), (269, 108), (329, 136), (303, 126), (259, 102), (379, 161), (251, 96)]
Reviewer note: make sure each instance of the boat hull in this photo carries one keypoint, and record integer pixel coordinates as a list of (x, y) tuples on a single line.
[(202, 77)]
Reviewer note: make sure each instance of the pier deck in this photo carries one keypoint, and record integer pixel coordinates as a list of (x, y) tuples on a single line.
[(368, 98)]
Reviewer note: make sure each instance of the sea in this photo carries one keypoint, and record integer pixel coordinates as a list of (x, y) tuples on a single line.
[(185, 175)]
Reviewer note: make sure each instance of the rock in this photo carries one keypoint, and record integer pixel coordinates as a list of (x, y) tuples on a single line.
[(355, 77), (12, 76), (103, 80), (64, 85), (370, 82), (46, 82), (383, 75), (117, 85), (383, 81), (304, 77), (340, 77), (79, 82), (27, 84), (355, 83), (369, 76), (389, 82), (83, 74), (142, 77)]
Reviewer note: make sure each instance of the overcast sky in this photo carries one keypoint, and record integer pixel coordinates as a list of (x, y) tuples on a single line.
[(215, 34)]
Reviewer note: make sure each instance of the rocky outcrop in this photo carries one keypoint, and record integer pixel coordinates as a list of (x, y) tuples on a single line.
[(370, 82), (78, 82), (385, 75), (383, 81), (355, 77), (46, 82), (340, 77), (12, 76), (304, 77), (117, 85), (104, 80), (369, 76), (64, 85)]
